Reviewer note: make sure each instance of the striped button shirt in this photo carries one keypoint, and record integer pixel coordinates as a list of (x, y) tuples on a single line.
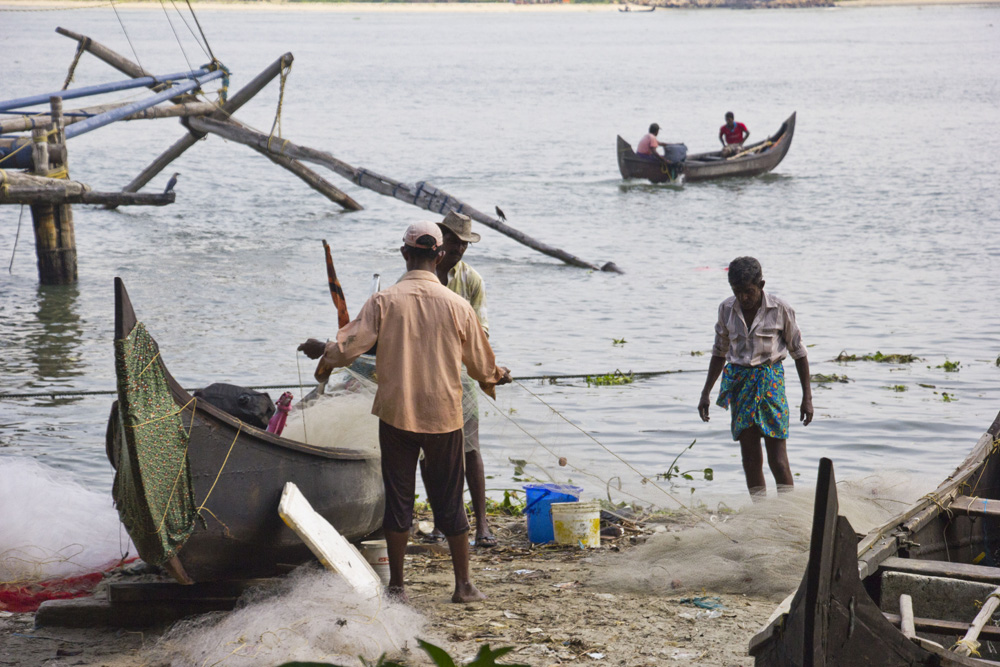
[(771, 336)]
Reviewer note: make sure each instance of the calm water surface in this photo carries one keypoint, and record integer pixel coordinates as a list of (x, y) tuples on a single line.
[(881, 227)]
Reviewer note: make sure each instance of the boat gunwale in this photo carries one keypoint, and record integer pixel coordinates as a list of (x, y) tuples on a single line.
[(125, 317)]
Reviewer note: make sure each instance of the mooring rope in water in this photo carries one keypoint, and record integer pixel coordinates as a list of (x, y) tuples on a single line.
[(10, 268), (543, 378), (645, 479)]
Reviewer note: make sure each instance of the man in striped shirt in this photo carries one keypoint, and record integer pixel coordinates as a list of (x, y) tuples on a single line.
[(755, 331)]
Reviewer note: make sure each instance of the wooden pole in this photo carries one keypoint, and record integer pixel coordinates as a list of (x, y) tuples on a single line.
[(26, 123), (55, 241), (906, 616), (970, 642), (313, 180), (423, 195)]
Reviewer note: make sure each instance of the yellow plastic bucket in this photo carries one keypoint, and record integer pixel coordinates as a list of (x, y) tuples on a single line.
[(577, 523)]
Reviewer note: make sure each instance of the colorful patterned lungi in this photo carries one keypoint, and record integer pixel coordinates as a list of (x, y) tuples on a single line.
[(757, 396)]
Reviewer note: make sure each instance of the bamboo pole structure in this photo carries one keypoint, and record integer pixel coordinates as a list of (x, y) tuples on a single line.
[(55, 240), (27, 123), (422, 194), (19, 188)]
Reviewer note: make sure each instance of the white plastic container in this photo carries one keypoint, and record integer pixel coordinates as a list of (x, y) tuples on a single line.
[(377, 555), (577, 523)]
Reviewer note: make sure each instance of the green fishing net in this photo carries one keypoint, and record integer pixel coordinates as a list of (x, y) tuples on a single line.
[(152, 487)]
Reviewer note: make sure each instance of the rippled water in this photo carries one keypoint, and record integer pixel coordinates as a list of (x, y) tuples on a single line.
[(880, 227)]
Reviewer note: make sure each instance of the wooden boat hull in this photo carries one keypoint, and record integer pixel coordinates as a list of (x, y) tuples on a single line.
[(709, 166), (242, 470), (841, 613)]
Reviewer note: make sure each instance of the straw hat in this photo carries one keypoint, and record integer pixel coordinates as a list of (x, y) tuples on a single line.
[(461, 226)]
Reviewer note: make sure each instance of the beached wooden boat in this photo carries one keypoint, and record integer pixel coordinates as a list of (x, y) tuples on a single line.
[(629, 9), (852, 608), (755, 159), (226, 524)]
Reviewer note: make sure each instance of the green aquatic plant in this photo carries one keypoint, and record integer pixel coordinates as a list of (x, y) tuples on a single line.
[(897, 387), (618, 341), (950, 366), (879, 357), (948, 398), (699, 353), (610, 379), (822, 378), (675, 470)]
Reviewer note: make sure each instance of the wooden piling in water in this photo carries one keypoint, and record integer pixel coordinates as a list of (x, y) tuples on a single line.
[(55, 240)]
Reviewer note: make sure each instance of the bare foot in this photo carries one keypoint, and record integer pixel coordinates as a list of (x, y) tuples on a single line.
[(467, 592), (397, 594)]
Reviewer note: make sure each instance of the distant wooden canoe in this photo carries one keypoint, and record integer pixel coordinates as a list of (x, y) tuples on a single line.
[(756, 159), (629, 10), (245, 470), (941, 552)]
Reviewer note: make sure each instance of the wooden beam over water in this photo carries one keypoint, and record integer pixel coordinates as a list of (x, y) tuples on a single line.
[(424, 195), (27, 123)]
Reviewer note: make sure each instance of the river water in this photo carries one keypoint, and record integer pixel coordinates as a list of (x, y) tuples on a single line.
[(880, 227)]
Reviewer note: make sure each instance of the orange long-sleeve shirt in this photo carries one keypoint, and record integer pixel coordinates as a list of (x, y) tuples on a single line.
[(425, 332)]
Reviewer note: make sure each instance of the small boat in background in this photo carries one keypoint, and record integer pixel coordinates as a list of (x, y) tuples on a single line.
[(909, 590), (629, 9), (753, 160), (198, 490)]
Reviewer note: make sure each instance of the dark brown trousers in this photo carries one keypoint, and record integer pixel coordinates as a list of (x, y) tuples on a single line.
[(444, 477)]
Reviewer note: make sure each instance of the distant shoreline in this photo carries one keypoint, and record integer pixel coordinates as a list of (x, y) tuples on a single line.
[(322, 6)]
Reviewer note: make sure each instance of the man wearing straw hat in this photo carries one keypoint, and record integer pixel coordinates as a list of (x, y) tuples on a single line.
[(466, 282), (425, 333)]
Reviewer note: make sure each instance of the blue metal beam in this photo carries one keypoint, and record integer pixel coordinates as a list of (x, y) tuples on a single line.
[(108, 117), (101, 88)]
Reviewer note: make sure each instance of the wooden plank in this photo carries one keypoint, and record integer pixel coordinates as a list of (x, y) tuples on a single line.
[(936, 568), (61, 195), (976, 506), (951, 628), (171, 590), (92, 612)]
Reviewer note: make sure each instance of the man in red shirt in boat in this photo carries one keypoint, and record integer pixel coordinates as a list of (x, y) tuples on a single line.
[(648, 144), (732, 135)]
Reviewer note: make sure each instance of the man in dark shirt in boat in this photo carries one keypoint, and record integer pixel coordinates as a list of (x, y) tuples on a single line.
[(732, 135), (754, 332)]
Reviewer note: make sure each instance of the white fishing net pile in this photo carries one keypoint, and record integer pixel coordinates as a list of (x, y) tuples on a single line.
[(51, 526), (314, 616), (761, 550), (340, 418)]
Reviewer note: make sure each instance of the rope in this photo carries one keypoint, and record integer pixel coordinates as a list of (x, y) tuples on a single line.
[(198, 23), (549, 378), (39, 139), (10, 269), (81, 47), (190, 29), (645, 480), (971, 645), (127, 38), (285, 69), (201, 507), (176, 36)]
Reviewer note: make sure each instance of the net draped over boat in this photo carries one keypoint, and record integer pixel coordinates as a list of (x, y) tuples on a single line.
[(152, 489)]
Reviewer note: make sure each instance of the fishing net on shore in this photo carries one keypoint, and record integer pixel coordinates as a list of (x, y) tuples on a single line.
[(56, 536), (313, 615), (761, 550)]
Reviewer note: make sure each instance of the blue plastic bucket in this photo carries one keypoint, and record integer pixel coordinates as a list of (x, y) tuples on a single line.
[(539, 508)]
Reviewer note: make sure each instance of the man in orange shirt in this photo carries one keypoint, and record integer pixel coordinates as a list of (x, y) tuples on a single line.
[(425, 333)]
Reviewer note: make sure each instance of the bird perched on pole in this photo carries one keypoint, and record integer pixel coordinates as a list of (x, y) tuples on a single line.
[(171, 183), (503, 218)]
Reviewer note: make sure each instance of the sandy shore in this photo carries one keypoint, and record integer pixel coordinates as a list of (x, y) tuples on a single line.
[(546, 603), (423, 7)]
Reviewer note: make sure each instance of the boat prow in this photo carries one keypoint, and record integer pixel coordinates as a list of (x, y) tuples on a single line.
[(237, 473), (850, 605)]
